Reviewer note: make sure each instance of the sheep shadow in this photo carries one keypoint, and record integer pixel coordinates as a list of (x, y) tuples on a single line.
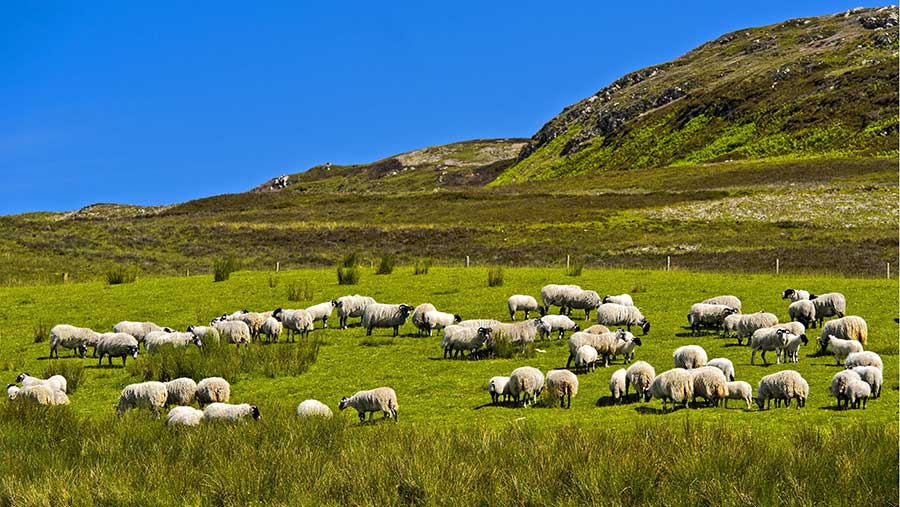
[(104, 367)]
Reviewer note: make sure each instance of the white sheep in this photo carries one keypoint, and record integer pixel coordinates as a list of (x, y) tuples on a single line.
[(730, 325), (605, 344), (621, 299), (497, 387), (458, 340), (157, 339), (12, 391), (212, 390), (803, 311), (867, 358), (839, 384), (294, 321), (526, 383), (559, 323), (640, 375), (476, 323), (556, 295), (858, 391), (382, 399), (829, 305), (617, 384), (784, 386), (750, 322), (138, 329), (253, 320), (42, 394), (271, 328), (352, 306), (689, 357), (322, 311), (766, 339), (708, 315), (709, 384), (562, 385), (795, 295), (57, 382), (517, 334), (384, 315), (76, 338), (233, 331), (724, 364), (180, 391), (732, 301), (840, 348), (625, 347), (418, 317), (150, 395), (184, 416), (850, 327), (223, 412), (792, 348), (612, 314), (207, 334), (873, 376), (739, 390), (522, 303), (313, 408), (581, 299), (597, 329), (585, 358), (116, 345), (439, 320), (675, 385), (796, 328)]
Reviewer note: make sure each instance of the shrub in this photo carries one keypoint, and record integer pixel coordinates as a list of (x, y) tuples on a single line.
[(348, 276), (421, 266), (119, 275), (73, 372), (638, 288), (40, 331), (223, 267), (505, 350), (386, 265), (349, 261), (575, 270), (495, 277), (298, 292)]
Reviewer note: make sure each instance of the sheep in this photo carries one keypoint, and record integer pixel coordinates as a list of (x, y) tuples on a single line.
[(207, 334), (351, 306), (640, 375), (520, 333), (739, 390), (689, 357), (272, 329), (803, 311), (562, 385), (523, 303), (150, 395), (12, 391), (612, 314), (749, 323), (626, 347), (382, 399), (76, 338), (253, 320), (731, 301), (796, 328), (181, 391), (559, 323), (322, 311), (858, 391), (116, 345), (841, 349), (138, 329), (867, 358), (597, 329), (709, 384), (621, 299), (725, 365), (234, 331), (675, 385), (795, 295), (605, 344), (224, 412), (730, 325), (526, 383), (476, 323), (792, 348), (784, 386), (57, 382), (383, 315), (295, 321), (766, 339), (581, 300), (41, 394), (873, 376), (184, 416), (211, 390), (556, 295), (497, 387), (313, 408), (439, 320), (418, 317), (457, 340), (708, 315), (585, 358), (850, 327), (617, 384), (839, 384), (829, 305), (157, 339)]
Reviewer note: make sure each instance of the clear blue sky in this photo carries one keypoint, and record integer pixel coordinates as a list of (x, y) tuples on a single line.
[(166, 102)]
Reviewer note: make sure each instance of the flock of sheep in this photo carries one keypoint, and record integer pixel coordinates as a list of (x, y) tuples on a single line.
[(693, 375)]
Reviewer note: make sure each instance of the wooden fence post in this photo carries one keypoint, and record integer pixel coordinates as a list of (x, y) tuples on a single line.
[(888, 269), (668, 263), (277, 266), (777, 265), (568, 260), (467, 261)]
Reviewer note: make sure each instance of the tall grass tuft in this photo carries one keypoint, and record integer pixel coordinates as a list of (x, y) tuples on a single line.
[(119, 275), (273, 281), (386, 265), (299, 292), (41, 332), (223, 267), (495, 276), (421, 266), (74, 373), (348, 270), (575, 269)]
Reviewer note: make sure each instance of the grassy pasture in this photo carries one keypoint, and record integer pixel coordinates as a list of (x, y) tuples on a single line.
[(449, 446)]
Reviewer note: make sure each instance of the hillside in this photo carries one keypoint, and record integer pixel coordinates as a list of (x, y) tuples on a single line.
[(805, 88)]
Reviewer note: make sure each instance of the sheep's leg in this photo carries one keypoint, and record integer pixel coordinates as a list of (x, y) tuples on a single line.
[(368, 331), (362, 417), (124, 358), (396, 330)]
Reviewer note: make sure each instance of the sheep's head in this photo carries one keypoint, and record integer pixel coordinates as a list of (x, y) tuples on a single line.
[(168, 329), (82, 349), (20, 377), (405, 309), (196, 341), (823, 342), (787, 294), (637, 341), (190, 329), (336, 303), (457, 318), (620, 334), (760, 402), (576, 328), (812, 296), (729, 311), (541, 325), (254, 412), (804, 339), (277, 314), (645, 326), (542, 310), (133, 351), (345, 402), (607, 299)]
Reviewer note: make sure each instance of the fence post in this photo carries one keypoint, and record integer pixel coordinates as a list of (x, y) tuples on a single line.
[(568, 260), (277, 266), (187, 272), (668, 262), (777, 265), (65, 277), (888, 269), (467, 261)]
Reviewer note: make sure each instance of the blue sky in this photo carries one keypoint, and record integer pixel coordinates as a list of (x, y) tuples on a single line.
[(121, 102)]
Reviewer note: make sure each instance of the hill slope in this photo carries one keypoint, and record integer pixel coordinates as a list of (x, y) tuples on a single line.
[(811, 87)]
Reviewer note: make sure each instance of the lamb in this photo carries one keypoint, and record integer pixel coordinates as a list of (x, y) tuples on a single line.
[(803, 311), (559, 323), (497, 387), (526, 383), (520, 333), (313, 408), (585, 358), (180, 391), (418, 317), (626, 347), (749, 323), (57, 382), (784, 385), (873, 376), (224, 412), (295, 321), (792, 348), (617, 384), (621, 299), (116, 345), (476, 323), (322, 311), (863, 359), (138, 329), (846, 328), (640, 375), (841, 349), (739, 390), (150, 395), (157, 339), (611, 314), (382, 399), (689, 357), (829, 305), (605, 344), (184, 416), (708, 315), (582, 300), (709, 384), (271, 328), (725, 365), (562, 385), (522, 303), (439, 320), (382, 315), (556, 295), (41, 394), (597, 329), (207, 334), (858, 391), (212, 390), (351, 306), (76, 338), (839, 384), (766, 339), (675, 385), (731, 301), (233, 331), (457, 340)]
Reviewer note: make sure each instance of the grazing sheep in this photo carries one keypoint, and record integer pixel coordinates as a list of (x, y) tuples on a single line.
[(271, 328), (476, 323), (383, 315), (612, 314), (850, 327), (792, 348), (352, 306), (829, 305), (230, 413), (617, 384), (157, 339), (867, 358), (233, 331), (709, 384), (750, 322), (766, 339), (640, 375), (526, 383), (597, 329), (585, 358), (840, 348), (873, 376), (626, 347), (207, 334), (313, 408), (796, 328), (803, 311), (180, 391), (497, 387), (858, 391), (138, 329), (322, 311), (559, 323), (795, 295), (725, 365), (675, 385), (150, 395), (708, 315), (382, 399), (457, 340), (41, 394), (556, 295), (730, 325), (212, 390), (12, 391), (57, 382), (839, 384), (605, 344), (184, 416), (689, 357), (253, 320), (739, 390), (784, 386), (621, 299), (440, 320), (520, 333), (731, 301), (582, 300), (522, 303), (76, 338), (562, 385), (294, 321), (418, 318), (116, 345)]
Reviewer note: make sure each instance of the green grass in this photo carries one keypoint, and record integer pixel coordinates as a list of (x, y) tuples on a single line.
[(447, 435)]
